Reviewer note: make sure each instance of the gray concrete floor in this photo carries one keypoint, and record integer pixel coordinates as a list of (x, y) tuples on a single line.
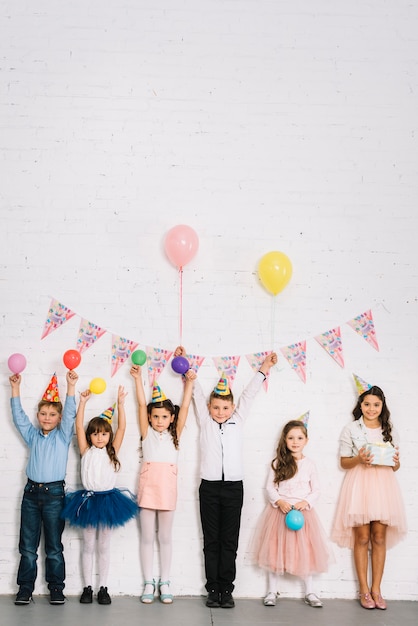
[(191, 611)]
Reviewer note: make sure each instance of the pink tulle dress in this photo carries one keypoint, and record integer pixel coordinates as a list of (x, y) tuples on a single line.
[(368, 493), (278, 549)]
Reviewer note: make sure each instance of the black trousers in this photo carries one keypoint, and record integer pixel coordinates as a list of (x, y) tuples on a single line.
[(220, 514)]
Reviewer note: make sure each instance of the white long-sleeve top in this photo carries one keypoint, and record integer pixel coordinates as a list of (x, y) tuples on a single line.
[(221, 444), (304, 485)]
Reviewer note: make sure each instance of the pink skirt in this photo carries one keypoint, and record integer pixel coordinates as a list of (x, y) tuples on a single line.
[(298, 552), (157, 487), (369, 494)]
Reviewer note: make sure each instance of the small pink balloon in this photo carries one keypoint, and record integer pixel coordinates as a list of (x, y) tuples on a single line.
[(16, 363), (181, 244)]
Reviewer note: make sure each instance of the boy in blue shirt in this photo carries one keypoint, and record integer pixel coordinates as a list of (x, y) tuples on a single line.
[(43, 495)]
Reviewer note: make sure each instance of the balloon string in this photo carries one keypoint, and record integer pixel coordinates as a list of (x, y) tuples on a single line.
[(181, 306), (273, 318)]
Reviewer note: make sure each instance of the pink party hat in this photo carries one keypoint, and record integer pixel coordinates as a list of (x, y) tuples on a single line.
[(51, 393), (361, 384), (108, 414), (157, 394), (222, 388)]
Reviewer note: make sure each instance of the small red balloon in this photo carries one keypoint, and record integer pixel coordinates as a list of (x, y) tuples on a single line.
[(72, 359)]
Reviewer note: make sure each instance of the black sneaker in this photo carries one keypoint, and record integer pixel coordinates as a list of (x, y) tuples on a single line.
[(227, 601), (56, 596), (87, 595), (212, 600), (23, 596), (103, 597)]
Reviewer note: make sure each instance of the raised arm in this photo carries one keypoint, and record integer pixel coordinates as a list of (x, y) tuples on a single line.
[(79, 422), (189, 379), (140, 397), (120, 431)]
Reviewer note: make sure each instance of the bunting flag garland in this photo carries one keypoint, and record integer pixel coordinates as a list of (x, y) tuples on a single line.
[(363, 325), (296, 356), (331, 342), (227, 365), (157, 359), (88, 334), (195, 361), (256, 360), (304, 418), (58, 314), (122, 348)]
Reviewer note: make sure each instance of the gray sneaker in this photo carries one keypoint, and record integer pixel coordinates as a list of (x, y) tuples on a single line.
[(313, 600), (270, 599)]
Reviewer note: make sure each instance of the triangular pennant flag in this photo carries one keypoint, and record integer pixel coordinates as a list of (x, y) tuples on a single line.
[(88, 334), (157, 359), (331, 342), (195, 361), (256, 360), (304, 418), (58, 314), (363, 325), (296, 356), (361, 384), (227, 365), (122, 348)]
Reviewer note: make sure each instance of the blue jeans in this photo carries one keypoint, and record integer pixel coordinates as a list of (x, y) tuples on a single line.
[(41, 507)]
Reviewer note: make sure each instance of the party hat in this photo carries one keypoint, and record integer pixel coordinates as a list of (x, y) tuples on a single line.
[(108, 414), (51, 393), (157, 394), (361, 384), (304, 418), (222, 388)]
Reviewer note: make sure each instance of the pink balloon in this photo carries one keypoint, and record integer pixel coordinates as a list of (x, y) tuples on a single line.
[(16, 363), (181, 244)]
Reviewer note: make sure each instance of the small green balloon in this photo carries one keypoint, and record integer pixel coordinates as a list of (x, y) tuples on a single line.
[(138, 357)]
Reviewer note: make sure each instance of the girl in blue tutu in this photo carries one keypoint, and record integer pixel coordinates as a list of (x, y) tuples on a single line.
[(99, 506)]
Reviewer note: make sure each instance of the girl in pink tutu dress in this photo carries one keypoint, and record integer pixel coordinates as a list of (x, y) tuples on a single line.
[(292, 484), (161, 424), (370, 511)]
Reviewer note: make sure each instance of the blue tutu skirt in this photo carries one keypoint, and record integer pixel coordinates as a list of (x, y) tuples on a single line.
[(111, 508)]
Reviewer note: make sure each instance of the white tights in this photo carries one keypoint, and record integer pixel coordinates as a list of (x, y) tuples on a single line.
[(154, 522), (273, 583), (90, 535)]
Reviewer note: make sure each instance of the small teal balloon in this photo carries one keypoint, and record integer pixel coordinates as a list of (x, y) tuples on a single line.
[(138, 357), (294, 519), (180, 365)]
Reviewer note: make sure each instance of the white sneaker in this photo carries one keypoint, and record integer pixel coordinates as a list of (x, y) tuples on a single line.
[(313, 600), (270, 599)]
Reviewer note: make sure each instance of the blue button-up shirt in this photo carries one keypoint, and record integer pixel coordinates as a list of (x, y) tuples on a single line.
[(48, 454)]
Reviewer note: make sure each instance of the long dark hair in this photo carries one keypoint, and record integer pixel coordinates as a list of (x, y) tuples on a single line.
[(384, 415), (284, 464), (100, 425), (173, 409)]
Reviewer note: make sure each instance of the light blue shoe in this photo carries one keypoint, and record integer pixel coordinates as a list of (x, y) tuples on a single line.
[(148, 598), (165, 598)]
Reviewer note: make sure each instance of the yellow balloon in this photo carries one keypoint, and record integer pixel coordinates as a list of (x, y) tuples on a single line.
[(275, 271), (97, 385)]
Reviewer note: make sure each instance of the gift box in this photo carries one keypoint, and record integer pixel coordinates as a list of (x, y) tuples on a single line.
[(382, 453)]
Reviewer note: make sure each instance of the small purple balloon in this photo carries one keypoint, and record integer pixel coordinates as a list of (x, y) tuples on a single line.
[(180, 365)]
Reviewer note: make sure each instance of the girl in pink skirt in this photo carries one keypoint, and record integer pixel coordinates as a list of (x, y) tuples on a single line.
[(370, 511), (161, 424), (292, 484)]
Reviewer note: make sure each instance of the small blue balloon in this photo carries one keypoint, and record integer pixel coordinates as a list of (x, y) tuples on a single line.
[(294, 519), (180, 365)]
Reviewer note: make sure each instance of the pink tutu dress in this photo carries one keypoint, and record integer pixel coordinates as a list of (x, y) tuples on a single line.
[(368, 493), (278, 549)]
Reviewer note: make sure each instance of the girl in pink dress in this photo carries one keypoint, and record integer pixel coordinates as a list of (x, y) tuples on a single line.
[(370, 511), (160, 424), (292, 484)]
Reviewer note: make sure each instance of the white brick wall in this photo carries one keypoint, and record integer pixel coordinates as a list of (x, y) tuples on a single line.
[(263, 125)]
